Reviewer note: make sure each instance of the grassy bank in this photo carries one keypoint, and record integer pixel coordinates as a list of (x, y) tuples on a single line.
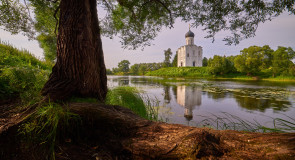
[(181, 72), (202, 72), (21, 74)]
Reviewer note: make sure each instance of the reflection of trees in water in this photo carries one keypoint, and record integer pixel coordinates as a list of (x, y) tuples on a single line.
[(167, 96), (123, 82), (260, 103), (174, 90)]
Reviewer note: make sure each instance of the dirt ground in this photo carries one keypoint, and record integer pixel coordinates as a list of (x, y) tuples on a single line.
[(113, 132)]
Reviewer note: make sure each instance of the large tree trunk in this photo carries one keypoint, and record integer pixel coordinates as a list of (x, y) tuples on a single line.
[(80, 68)]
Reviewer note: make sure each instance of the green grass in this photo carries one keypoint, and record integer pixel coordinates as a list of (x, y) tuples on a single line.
[(180, 72), (133, 99), (202, 72), (21, 74), (50, 122), (228, 121)]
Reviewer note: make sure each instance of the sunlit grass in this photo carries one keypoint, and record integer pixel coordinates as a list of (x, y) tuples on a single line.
[(132, 98)]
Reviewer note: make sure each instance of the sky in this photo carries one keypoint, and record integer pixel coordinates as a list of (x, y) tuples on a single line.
[(278, 32)]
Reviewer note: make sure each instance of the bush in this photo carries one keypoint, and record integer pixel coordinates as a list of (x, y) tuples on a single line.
[(21, 74)]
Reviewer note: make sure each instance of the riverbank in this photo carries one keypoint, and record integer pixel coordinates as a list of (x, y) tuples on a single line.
[(98, 138), (202, 72)]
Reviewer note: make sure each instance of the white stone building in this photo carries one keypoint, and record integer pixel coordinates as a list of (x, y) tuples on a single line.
[(190, 54)]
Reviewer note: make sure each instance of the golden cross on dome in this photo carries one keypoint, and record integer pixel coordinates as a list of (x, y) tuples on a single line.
[(189, 26)]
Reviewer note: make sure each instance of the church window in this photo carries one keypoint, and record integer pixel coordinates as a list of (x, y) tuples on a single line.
[(188, 55), (194, 63)]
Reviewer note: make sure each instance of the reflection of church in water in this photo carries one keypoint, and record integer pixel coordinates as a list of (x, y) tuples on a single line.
[(189, 97)]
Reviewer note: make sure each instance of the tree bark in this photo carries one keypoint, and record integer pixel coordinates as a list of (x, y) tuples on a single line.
[(80, 68)]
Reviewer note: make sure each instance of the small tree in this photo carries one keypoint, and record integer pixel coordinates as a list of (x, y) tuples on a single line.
[(282, 60), (205, 62), (134, 69), (219, 65), (168, 55), (250, 60), (142, 69), (174, 62), (123, 66)]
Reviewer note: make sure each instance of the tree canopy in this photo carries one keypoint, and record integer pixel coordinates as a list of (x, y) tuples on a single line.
[(138, 22), (123, 66)]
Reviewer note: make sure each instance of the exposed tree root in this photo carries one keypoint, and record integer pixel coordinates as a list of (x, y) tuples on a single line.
[(111, 132)]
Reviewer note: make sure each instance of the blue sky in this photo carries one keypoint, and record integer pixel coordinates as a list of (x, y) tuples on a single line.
[(278, 32)]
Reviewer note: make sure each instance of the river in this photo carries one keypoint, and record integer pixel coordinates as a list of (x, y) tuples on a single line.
[(221, 104)]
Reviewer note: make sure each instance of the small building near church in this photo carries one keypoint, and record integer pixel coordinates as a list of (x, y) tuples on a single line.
[(189, 54)]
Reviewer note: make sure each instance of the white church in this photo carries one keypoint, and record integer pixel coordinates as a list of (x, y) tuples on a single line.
[(189, 54)]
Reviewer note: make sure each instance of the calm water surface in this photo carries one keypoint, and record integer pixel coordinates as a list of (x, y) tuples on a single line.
[(195, 101)]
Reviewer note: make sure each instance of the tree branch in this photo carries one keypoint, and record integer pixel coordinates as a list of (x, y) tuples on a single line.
[(27, 8), (170, 13)]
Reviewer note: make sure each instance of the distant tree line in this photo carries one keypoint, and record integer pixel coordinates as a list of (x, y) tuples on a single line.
[(142, 68), (136, 69), (252, 61), (255, 61)]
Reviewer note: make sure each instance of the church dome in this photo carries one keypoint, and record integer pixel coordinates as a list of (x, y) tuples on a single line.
[(189, 34)]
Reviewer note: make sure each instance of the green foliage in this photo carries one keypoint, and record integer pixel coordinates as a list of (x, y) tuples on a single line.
[(25, 82), (250, 60), (219, 65), (138, 22), (180, 72), (45, 26), (21, 74), (282, 61), (174, 62), (109, 72), (142, 68), (48, 43), (167, 54), (123, 66), (205, 62), (15, 18), (50, 122), (134, 69), (131, 98)]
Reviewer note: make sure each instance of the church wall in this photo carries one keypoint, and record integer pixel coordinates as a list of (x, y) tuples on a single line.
[(188, 54), (181, 56)]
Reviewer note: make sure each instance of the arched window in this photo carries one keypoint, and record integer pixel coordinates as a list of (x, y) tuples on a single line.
[(188, 55), (180, 64), (194, 63)]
